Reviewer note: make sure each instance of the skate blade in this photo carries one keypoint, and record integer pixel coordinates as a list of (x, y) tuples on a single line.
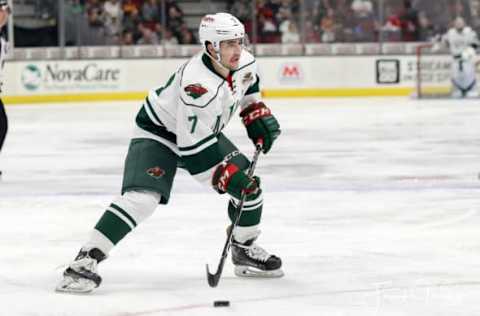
[(250, 272), (75, 286)]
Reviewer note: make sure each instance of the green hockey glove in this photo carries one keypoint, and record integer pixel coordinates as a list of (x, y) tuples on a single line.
[(261, 125), (228, 178)]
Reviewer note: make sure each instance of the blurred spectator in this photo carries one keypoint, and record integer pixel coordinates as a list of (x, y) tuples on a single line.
[(127, 38), (267, 26), (175, 20), (242, 9), (186, 36), (172, 3), (94, 5), (284, 11), (328, 27), (131, 20), (113, 9), (311, 34), (113, 15), (316, 11), (168, 39), (345, 21), (98, 22), (148, 37), (129, 6), (362, 8), (391, 30), (460, 8), (426, 31), (150, 13), (289, 31), (364, 22), (436, 11), (409, 22), (73, 18), (92, 30)]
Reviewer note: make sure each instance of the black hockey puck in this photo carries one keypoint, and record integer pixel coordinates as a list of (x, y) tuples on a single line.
[(221, 303)]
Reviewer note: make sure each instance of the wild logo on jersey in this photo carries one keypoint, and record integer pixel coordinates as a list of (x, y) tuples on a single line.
[(156, 172), (247, 78), (195, 90)]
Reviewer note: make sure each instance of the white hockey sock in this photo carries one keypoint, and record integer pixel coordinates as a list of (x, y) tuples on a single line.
[(98, 240), (242, 234), (121, 217)]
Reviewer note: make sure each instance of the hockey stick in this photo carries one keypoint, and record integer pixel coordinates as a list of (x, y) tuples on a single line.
[(214, 278)]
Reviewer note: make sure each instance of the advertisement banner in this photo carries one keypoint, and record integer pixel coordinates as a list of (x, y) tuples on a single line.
[(435, 70), (291, 73), (388, 71), (70, 77), (280, 76)]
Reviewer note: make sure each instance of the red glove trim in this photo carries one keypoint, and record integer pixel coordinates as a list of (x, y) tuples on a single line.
[(226, 173), (253, 112)]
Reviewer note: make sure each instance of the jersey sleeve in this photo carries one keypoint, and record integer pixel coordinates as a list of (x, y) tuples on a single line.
[(197, 138), (253, 93), (473, 39)]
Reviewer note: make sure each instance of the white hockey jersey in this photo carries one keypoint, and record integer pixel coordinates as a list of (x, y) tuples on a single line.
[(192, 108), (458, 41)]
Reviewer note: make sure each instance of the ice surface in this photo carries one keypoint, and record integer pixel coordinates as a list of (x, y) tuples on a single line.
[(373, 204)]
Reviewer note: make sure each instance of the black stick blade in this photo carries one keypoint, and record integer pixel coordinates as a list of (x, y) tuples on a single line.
[(212, 278)]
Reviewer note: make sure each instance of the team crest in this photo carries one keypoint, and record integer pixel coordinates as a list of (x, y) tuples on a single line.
[(195, 90), (156, 172), (247, 78)]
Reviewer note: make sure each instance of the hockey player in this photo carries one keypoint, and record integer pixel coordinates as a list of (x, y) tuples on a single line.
[(4, 12), (462, 42), (180, 124)]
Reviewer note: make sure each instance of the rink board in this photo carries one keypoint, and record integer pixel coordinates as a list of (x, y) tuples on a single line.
[(282, 77)]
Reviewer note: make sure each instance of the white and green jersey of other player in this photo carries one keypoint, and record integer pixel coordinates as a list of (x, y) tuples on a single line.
[(192, 108)]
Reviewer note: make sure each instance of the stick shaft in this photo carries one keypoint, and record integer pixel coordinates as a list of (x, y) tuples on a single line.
[(213, 279)]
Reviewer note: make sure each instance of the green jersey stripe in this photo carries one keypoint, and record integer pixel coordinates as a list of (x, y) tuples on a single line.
[(204, 160), (151, 115), (170, 80), (255, 88), (250, 218), (124, 213), (244, 66), (200, 148), (249, 206), (152, 110), (112, 227), (145, 122), (198, 144), (252, 206)]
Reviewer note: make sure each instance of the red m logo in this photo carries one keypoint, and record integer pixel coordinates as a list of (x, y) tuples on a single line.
[(290, 71)]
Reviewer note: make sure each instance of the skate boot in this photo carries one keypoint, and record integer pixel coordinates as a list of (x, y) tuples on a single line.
[(81, 275), (473, 93), (251, 260)]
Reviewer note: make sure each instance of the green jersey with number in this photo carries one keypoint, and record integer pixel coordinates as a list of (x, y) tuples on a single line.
[(195, 104)]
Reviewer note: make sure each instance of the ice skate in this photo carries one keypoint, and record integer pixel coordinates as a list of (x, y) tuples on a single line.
[(472, 94), (81, 275), (251, 260)]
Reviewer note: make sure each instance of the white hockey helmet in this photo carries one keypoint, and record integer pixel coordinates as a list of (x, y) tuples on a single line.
[(459, 23), (218, 27)]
